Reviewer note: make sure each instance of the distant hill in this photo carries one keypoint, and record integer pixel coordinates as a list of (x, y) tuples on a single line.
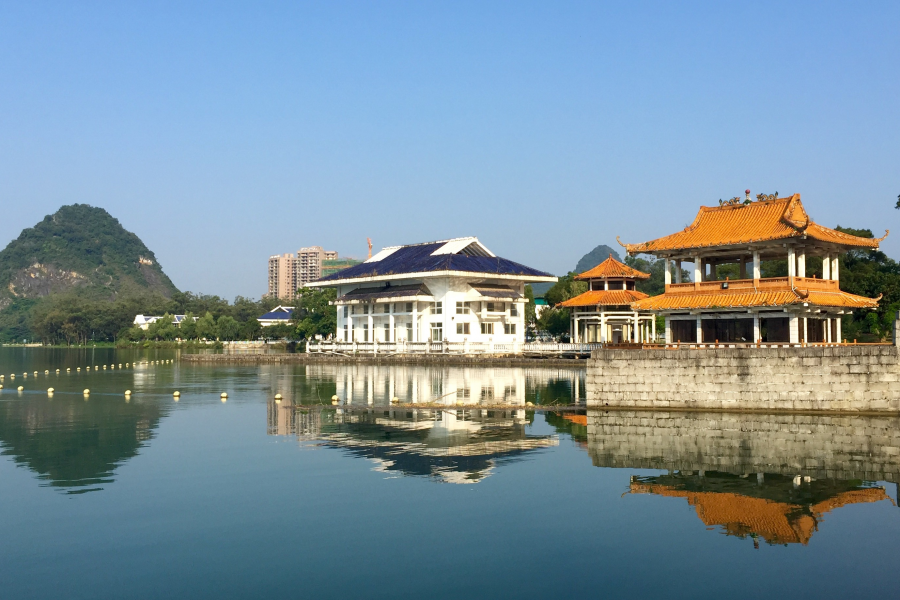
[(595, 257), (80, 249)]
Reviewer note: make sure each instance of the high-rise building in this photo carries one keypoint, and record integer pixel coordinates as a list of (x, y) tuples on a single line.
[(283, 276), (309, 263)]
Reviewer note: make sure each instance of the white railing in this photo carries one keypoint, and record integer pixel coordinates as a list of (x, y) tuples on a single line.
[(462, 348)]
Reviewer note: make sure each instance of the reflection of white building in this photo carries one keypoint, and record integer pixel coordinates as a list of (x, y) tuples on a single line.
[(453, 290)]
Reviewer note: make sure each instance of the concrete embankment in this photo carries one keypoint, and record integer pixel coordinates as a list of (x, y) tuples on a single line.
[(813, 379), (386, 359)]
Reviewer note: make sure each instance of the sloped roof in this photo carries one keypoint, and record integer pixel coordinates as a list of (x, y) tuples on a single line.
[(388, 291), (613, 268), (752, 299), (782, 218), (279, 314), (448, 255), (604, 298)]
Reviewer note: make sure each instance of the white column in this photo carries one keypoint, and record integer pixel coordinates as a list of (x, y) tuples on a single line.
[(792, 262), (602, 328), (653, 329), (349, 325), (697, 273), (837, 327), (827, 337), (826, 266), (677, 271), (392, 336), (794, 325), (574, 327), (756, 330), (834, 268), (668, 331), (806, 329), (756, 268), (801, 264), (606, 284), (371, 323), (636, 334), (415, 322), (668, 271), (699, 329)]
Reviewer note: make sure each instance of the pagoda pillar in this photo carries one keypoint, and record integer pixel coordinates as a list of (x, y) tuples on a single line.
[(668, 330), (668, 271), (699, 329), (698, 277), (794, 329), (653, 329), (756, 269), (792, 262), (801, 264), (757, 333), (826, 266), (677, 271), (837, 329), (834, 268)]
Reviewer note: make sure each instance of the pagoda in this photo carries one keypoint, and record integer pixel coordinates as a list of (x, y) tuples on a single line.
[(801, 307), (604, 312)]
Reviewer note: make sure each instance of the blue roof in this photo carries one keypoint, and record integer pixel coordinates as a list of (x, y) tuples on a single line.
[(283, 314), (418, 259)]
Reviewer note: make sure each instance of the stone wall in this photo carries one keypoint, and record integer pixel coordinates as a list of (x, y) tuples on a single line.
[(839, 378), (832, 447)]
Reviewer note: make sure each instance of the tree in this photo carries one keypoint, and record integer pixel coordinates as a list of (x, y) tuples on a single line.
[(567, 287), (314, 315), (206, 327), (554, 321), (188, 328), (279, 331), (228, 328), (529, 306)]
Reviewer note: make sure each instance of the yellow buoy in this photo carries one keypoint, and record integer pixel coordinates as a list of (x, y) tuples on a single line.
[(120, 365), (1, 386), (104, 367), (47, 372), (49, 390), (12, 375), (177, 394), (395, 400), (79, 369), (127, 392), (87, 368), (86, 391), (35, 373), (126, 364), (21, 388), (223, 396), (57, 370), (68, 369)]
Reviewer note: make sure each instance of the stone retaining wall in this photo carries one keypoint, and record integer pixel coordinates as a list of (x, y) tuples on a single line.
[(397, 359), (833, 447), (841, 378)]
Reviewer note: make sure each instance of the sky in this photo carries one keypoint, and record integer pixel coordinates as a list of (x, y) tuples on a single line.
[(224, 132)]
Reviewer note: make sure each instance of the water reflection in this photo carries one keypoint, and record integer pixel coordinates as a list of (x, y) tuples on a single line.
[(74, 444), (448, 445), (767, 477)]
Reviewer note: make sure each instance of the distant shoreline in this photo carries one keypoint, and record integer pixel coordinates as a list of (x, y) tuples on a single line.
[(397, 359)]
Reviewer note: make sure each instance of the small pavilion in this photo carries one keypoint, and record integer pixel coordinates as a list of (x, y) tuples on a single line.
[(800, 307), (604, 312)]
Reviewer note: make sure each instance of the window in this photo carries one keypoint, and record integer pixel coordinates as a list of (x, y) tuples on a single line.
[(463, 308), (387, 309), (463, 393), (509, 328), (487, 329), (409, 307), (387, 332), (462, 328), (346, 311), (513, 310), (496, 307), (487, 393), (365, 329), (346, 339), (437, 308), (437, 332), (409, 332)]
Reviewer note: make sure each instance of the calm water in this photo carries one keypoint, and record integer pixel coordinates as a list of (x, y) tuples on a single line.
[(151, 498)]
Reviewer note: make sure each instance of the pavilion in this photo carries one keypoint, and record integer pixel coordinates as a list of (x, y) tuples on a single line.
[(603, 313), (800, 307)]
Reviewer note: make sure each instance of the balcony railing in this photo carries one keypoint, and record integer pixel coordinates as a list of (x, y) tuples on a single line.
[(743, 286)]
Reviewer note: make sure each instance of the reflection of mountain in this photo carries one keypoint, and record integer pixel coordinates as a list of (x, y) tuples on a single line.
[(455, 446), (73, 443), (776, 508), (764, 476)]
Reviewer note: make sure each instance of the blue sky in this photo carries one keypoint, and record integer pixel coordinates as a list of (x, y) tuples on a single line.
[(223, 132)]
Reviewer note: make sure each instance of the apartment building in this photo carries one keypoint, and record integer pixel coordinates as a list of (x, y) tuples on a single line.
[(288, 272), (282, 276)]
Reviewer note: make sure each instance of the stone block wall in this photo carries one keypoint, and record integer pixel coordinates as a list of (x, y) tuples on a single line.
[(824, 447), (840, 378)]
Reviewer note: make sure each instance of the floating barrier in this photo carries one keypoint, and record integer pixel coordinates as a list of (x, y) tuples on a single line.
[(50, 390), (20, 388), (127, 392), (177, 394), (86, 392)]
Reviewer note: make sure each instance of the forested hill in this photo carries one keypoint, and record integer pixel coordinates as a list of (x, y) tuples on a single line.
[(79, 249)]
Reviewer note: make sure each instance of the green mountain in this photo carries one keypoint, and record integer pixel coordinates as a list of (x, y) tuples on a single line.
[(83, 250), (595, 257)]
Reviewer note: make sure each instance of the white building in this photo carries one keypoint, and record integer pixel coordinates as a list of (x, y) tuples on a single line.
[(144, 321), (280, 315), (453, 290)]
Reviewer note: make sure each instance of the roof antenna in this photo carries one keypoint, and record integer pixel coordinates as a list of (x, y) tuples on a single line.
[(370, 247)]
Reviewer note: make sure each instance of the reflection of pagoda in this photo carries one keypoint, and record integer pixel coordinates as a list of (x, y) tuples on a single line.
[(777, 508), (453, 446)]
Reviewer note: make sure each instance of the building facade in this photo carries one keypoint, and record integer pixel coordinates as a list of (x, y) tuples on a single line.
[(603, 313), (803, 305), (290, 272), (453, 290), (282, 276)]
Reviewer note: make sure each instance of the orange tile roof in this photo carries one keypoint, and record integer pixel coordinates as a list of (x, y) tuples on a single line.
[(752, 299), (766, 220), (605, 298), (613, 268)]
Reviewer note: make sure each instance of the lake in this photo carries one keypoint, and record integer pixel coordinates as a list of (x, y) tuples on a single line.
[(149, 496)]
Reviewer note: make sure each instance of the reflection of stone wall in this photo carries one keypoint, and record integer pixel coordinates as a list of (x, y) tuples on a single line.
[(849, 378), (818, 446)]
